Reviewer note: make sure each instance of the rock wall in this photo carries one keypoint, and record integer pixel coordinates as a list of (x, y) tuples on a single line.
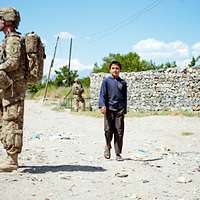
[(157, 90)]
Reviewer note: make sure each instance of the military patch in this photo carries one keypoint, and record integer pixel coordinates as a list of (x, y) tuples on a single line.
[(13, 50)]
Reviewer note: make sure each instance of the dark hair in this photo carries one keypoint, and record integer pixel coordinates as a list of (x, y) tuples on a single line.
[(114, 62)]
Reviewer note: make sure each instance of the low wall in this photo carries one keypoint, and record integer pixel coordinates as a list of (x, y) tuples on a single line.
[(156, 90)]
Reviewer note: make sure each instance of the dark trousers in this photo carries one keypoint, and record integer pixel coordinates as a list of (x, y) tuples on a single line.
[(114, 125)]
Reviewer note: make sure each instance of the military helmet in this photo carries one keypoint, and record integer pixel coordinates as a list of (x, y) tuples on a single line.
[(10, 14)]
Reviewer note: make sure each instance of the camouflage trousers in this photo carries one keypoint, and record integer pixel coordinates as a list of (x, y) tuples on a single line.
[(79, 103), (11, 126)]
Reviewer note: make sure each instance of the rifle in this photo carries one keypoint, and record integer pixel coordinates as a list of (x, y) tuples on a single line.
[(67, 94)]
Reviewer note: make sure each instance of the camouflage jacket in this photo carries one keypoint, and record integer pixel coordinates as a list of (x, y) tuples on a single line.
[(12, 60), (77, 89)]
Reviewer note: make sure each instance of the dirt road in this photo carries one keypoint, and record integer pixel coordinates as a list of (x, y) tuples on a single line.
[(62, 159)]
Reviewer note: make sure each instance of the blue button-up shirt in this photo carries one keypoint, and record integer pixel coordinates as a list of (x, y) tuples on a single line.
[(113, 93)]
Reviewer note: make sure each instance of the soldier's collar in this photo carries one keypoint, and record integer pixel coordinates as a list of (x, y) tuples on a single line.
[(12, 34)]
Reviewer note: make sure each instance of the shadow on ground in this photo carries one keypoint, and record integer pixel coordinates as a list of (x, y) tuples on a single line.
[(60, 168)]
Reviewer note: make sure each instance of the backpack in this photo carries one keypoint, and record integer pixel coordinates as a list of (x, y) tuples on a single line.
[(34, 57)]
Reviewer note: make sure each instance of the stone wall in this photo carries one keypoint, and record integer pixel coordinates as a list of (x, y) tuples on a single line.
[(157, 90)]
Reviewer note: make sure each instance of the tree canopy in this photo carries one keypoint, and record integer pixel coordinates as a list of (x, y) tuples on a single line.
[(194, 61), (64, 76), (131, 62)]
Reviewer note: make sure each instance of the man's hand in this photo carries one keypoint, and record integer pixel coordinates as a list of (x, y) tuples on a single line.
[(103, 109)]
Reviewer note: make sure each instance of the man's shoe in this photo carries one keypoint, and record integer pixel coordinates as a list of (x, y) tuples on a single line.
[(119, 157), (107, 153)]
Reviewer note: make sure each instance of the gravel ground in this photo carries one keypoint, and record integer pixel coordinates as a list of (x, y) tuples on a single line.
[(62, 159)]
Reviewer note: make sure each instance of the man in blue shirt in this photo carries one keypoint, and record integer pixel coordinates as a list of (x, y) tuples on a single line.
[(113, 104)]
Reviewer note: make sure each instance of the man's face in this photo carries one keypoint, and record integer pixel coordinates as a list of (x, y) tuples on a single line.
[(1, 24), (115, 70)]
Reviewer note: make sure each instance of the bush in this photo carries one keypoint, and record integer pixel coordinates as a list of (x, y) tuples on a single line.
[(34, 88), (85, 82)]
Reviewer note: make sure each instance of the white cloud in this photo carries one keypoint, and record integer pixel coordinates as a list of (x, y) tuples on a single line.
[(60, 62), (76, 65), (156, 50), (64, 35), (196, 49)]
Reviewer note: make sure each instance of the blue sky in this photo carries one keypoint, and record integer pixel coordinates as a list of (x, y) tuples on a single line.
[(158, 30)]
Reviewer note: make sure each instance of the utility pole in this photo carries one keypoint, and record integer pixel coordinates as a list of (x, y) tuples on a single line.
[(69, 64), (70, 53), (51, 65)]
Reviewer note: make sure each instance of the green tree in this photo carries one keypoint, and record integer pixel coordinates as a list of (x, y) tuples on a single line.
[(167, 65), (64, 76), (131, 62), (85, 81), (34, 88), (96, 68), (192, 63)]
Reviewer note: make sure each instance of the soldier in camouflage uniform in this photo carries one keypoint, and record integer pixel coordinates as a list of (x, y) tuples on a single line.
[(12, 87), (77, 90)]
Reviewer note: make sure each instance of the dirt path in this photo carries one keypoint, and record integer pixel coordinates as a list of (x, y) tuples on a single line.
[(62, 159)]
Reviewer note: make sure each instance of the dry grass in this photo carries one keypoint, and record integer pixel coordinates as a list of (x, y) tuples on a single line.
[(186, 133)]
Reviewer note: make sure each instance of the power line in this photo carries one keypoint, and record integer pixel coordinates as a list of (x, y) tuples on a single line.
[(125, 22)]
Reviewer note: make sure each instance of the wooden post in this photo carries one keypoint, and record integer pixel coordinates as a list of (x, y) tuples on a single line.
[(51, 65)]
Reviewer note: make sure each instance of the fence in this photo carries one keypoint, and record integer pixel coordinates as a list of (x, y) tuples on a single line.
[(69, 103)]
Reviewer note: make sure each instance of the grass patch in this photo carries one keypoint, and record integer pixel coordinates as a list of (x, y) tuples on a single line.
[(58, 92), (62, 108), (142, 114), (186, 133), (137, 114), (163, 113), (55, 95), (88, 113), (53, 92)]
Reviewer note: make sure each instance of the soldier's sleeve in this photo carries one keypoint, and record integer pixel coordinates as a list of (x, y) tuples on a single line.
[(13, 54)]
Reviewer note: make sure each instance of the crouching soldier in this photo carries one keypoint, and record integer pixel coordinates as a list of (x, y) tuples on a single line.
[(77, 90)]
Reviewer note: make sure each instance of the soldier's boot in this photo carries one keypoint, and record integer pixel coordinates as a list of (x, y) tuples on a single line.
[(10, 164)]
